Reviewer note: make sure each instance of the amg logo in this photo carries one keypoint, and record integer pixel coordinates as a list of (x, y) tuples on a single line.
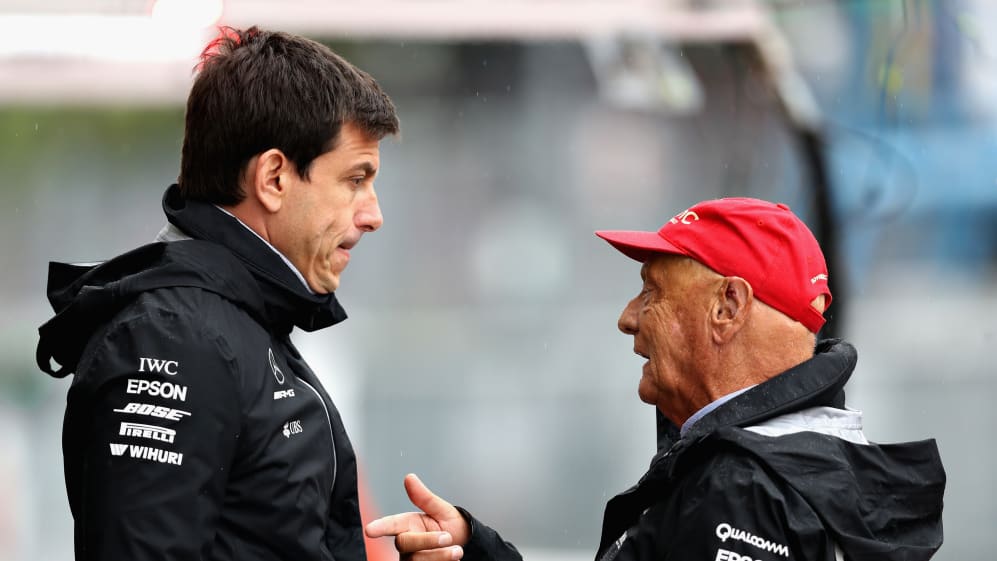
[(156, 365), (281, 394), (154, 411), (292, 427), (147, 453), (155, 388), (147, 431)]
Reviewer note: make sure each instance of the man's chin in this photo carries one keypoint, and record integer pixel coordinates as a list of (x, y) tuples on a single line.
[(323, 286)]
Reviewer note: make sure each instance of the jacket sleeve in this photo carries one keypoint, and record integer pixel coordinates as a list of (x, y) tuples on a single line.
[(151, 427), (732, 512), (485, 544)]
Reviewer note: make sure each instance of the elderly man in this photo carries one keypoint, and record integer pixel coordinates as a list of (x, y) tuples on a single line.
[(758, 459), (194, 429)]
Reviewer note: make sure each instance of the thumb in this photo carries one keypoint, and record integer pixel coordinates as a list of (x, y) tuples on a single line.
[(427, 501)]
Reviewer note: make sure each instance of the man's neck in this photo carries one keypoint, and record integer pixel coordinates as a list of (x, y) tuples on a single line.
[(709, 408), (283, 257)]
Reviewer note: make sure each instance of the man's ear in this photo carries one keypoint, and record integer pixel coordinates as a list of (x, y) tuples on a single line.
[(730, 309), (267, 177)]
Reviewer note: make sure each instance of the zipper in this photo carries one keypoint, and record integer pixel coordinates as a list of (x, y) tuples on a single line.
[(328, 418)]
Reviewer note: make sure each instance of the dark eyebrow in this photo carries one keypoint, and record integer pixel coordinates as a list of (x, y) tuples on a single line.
[(365, 167)]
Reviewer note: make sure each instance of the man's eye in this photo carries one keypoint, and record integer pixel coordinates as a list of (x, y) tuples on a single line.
[(357, 181)]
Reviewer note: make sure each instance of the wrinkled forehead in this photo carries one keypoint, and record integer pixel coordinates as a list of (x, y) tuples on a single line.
[(667, 266)]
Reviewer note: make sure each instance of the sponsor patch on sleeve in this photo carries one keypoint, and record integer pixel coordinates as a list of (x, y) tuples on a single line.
[(156, 388), (726, 532), (147, 453), (157, 411), (147, 364), (148, 432)]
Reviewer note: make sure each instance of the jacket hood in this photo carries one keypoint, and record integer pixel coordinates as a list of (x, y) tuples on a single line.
[(224, 257), (879, 502)]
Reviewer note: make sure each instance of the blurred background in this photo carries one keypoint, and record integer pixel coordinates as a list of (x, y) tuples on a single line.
[(481, 351)]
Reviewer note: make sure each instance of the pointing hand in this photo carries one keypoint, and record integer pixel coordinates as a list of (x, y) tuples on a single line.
[(435, 534)]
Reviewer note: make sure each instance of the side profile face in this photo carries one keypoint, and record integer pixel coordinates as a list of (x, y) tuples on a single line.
[(669, 321), (322, 218)]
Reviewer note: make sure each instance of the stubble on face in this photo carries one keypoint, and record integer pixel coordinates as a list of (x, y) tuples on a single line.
[(334, 208)]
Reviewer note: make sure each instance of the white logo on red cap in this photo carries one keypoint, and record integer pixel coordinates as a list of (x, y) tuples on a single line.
[(821, 276), (685, 217)]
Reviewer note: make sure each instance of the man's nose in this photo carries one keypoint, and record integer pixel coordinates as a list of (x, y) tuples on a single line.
[(628, 319), (369, 217)]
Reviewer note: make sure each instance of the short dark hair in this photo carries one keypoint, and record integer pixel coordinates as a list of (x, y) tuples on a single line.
[(257, 90)]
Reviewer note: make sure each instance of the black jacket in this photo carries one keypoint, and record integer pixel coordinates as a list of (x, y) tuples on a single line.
[(724, 493), (193, 428)]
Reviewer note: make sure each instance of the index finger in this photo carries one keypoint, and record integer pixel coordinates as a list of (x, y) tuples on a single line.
[(395, 524)]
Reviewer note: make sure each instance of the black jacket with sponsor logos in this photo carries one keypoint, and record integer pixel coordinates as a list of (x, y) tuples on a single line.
[(193, 428), (725, 493)]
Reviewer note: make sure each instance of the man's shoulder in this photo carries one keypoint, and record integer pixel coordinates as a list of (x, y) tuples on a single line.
[(718, 464), (736, 463), (186, 302), (196, 333), (796, 452), (713, 493), (195, 281), (192, 313), (188, 315), (194, 295), (797, 471)]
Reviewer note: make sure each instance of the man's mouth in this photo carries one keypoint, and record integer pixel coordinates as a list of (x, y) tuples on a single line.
[(345, 247)]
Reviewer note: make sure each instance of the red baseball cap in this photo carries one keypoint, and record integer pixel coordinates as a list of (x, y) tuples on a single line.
[(764, 243)]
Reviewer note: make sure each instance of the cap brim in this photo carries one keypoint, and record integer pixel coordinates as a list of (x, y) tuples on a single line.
[(639, 246)]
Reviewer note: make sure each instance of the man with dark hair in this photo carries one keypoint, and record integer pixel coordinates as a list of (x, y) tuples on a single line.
[(758, 458), (194, 429)]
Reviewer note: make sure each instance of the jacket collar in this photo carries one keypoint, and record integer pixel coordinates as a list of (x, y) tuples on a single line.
[(815, 382), (287, 301), (818, 381)]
